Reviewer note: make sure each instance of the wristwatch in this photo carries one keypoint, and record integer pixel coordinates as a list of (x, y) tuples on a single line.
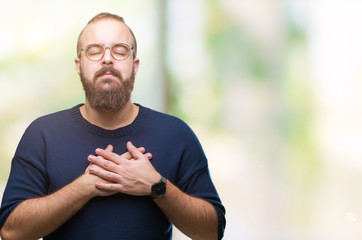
[(158, 189)]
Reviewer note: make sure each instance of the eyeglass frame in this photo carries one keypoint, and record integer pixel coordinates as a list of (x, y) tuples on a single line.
[(104, 50)]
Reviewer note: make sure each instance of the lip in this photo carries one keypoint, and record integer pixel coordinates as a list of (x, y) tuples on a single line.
[(108, 74)]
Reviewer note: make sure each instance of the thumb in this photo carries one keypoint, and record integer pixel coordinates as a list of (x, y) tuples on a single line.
[(134, 151)]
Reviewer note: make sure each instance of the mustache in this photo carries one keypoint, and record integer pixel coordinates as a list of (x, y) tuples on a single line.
[(104, 70)]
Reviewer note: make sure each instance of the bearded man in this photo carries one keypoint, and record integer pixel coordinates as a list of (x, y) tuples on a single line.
[(77, 174)]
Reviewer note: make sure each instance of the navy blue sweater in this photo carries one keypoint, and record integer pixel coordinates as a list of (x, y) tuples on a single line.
[(53, 152)]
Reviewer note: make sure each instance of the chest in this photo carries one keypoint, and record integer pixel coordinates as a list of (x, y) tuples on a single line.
[(66, 156)]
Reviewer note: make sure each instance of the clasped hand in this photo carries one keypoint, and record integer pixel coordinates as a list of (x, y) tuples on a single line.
[(130, 173)]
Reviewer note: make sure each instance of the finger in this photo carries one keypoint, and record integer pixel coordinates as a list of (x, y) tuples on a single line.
[(148, 155), (104, 174), (134, 151), (109, 148), (128, 156), (103, 163), (111, 156)]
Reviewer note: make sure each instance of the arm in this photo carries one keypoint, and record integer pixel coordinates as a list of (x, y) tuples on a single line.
[(37, 217), (195, 217)]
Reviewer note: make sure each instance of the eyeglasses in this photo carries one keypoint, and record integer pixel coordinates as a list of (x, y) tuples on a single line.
[(95, 52)]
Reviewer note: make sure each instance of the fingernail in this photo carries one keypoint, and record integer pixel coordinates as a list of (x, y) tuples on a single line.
[(98, 150), (90, 158)]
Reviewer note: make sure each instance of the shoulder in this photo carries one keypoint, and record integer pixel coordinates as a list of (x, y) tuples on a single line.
[(35, 135), (33, 140), (54, 118), (50, 122), (164, 121), (170, 128)]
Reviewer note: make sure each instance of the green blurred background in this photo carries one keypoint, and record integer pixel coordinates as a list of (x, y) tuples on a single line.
[(271, 88)]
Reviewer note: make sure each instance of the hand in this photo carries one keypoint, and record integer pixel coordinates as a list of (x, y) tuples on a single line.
[(88, 180), (129, 173), (91, 179)]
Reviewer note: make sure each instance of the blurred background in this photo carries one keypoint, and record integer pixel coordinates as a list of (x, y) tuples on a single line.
[(271, 88)]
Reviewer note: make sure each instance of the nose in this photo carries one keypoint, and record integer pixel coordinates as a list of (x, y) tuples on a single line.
[(107, 57)]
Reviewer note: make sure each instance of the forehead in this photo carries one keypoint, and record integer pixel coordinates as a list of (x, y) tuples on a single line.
[(106, 32)]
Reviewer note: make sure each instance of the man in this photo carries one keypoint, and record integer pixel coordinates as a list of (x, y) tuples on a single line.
[(59, 188)]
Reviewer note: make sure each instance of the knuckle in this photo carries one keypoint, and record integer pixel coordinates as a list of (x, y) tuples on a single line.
[(108, 175), (107, 164)]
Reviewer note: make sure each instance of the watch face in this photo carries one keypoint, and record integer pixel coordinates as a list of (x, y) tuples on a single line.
[(158, 189)]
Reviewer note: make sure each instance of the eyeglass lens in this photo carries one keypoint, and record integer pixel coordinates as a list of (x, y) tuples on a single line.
[(95, 52)]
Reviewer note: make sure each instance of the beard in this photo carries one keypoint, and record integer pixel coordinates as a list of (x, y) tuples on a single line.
[(111, 99)]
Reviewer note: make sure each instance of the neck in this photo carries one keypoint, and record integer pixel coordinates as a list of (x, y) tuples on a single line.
[(110, 120)]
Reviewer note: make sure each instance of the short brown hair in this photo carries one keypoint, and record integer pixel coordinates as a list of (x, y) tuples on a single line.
[(103, 16)]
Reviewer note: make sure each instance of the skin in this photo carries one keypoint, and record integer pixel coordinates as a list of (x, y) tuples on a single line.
[(35, 218), (94, 33), (130, 173), (193, 216)]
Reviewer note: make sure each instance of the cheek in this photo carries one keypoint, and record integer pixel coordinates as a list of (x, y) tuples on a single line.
[(126, 70), (87, 71)]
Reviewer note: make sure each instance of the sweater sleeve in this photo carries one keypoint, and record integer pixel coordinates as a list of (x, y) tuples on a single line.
[(27, 177), (195, 179)]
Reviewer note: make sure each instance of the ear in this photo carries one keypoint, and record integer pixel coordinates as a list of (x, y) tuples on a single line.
[(136, 64), (77, 64)]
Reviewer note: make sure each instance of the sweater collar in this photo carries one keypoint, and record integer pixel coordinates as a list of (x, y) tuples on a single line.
[(120, 132)]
